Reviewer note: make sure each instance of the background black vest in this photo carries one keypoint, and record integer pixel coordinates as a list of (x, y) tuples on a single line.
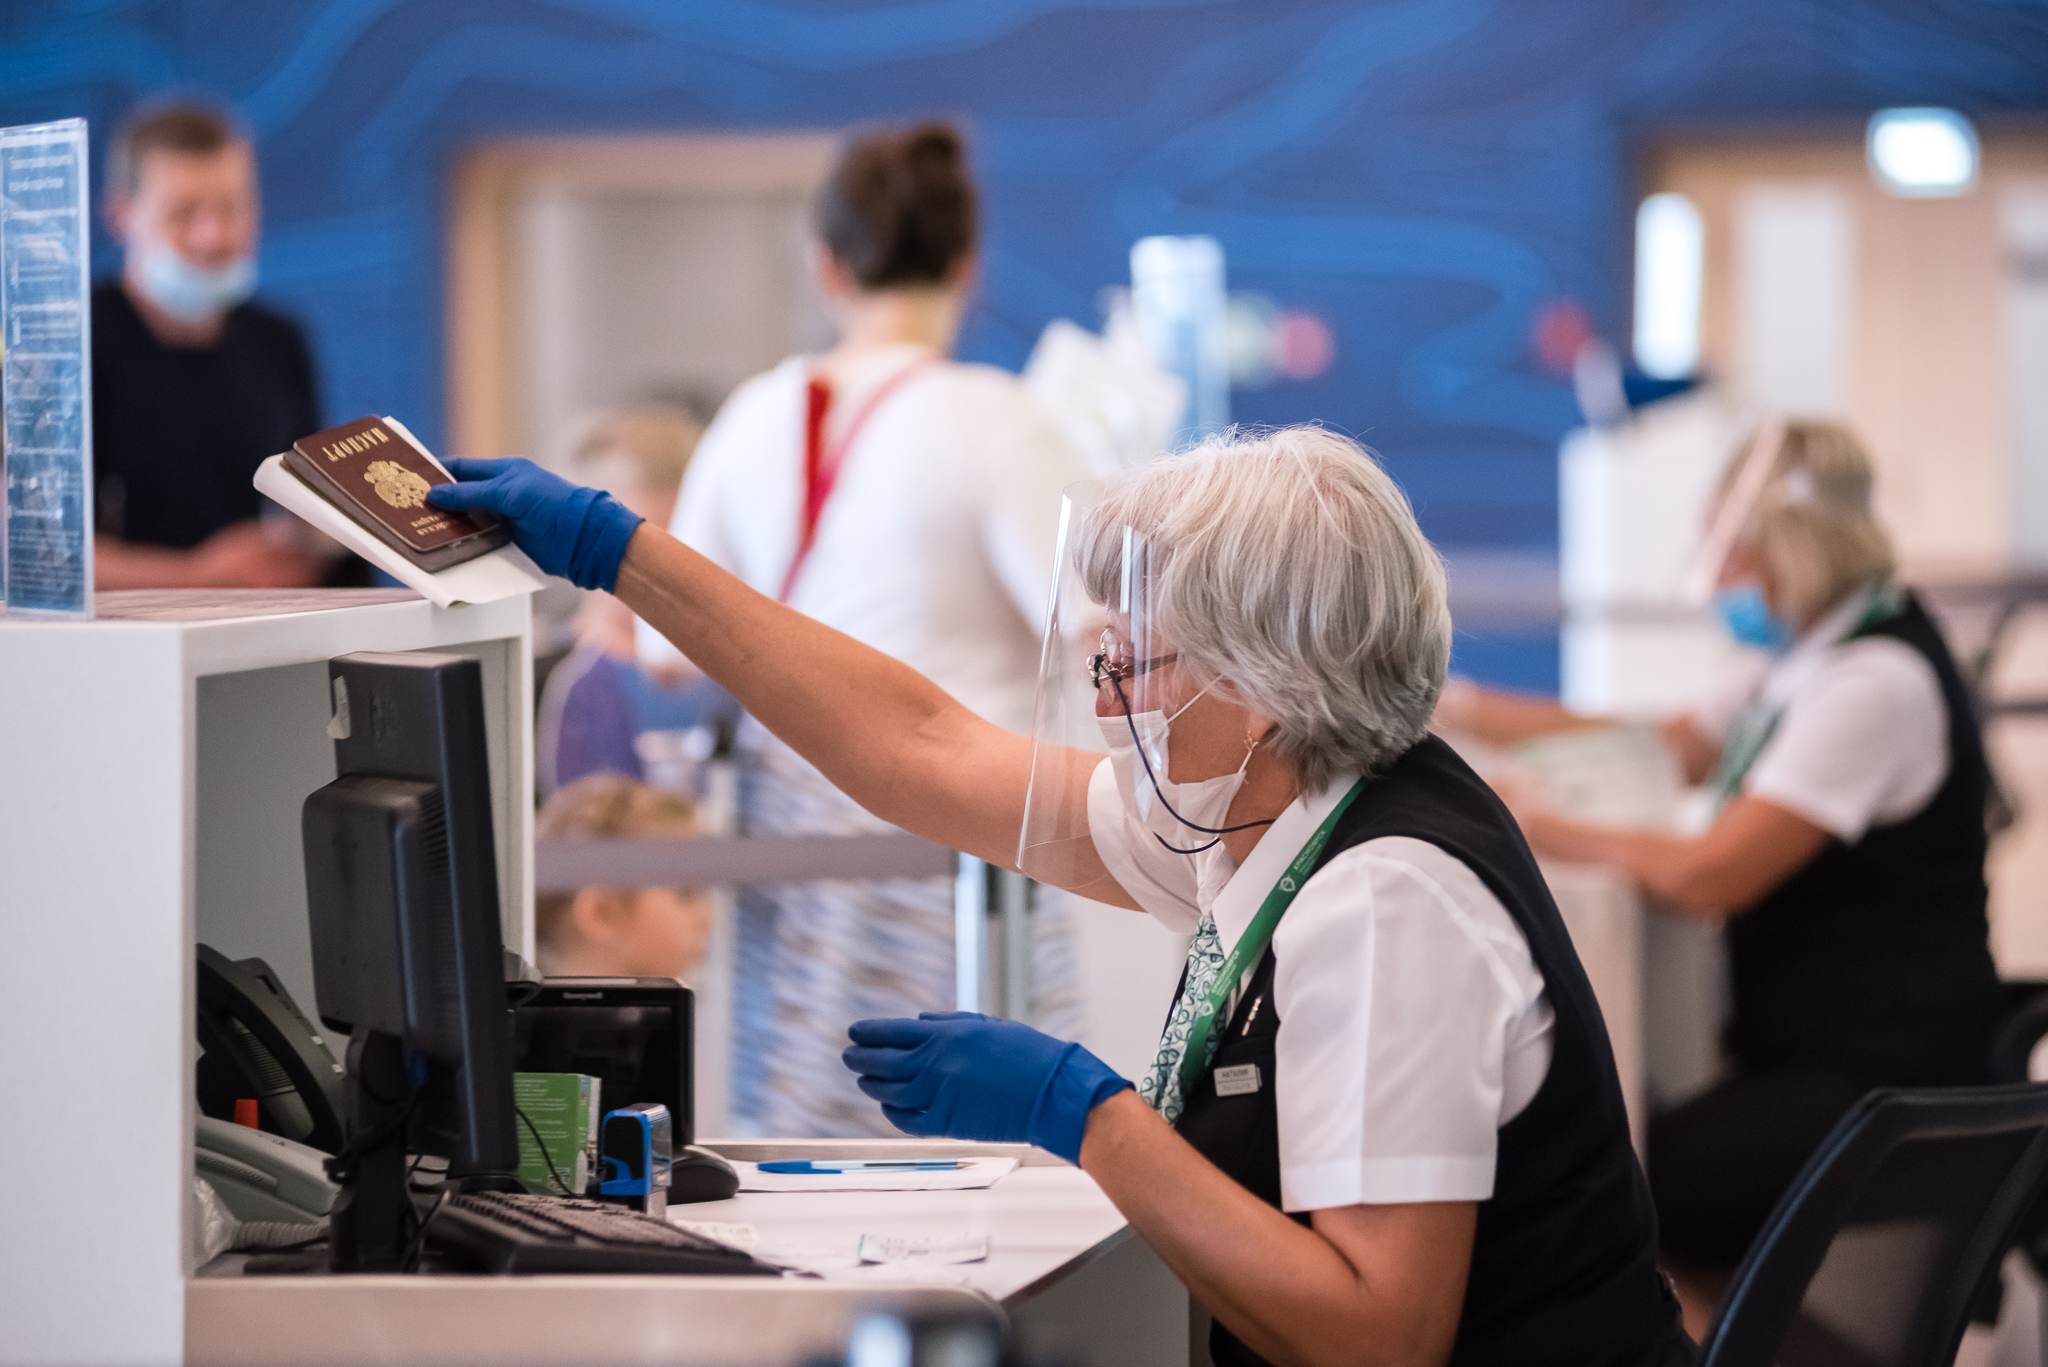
[(1874, 958), (1563, 1263)]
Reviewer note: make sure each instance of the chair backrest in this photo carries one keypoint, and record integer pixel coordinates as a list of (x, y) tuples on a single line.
[(1874, 1255), (2016, 1052)]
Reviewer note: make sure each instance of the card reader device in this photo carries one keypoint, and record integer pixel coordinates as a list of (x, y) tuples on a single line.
[(636, 1148)]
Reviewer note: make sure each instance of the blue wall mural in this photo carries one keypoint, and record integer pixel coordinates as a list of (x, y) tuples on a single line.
[(1426, 175)]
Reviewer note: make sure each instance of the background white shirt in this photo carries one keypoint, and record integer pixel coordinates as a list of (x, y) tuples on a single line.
[(1863, 737), (936, 545), (1413, 1021)]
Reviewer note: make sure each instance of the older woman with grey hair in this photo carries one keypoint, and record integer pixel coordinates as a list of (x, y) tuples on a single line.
[(1384, 1124), (1846, 858)]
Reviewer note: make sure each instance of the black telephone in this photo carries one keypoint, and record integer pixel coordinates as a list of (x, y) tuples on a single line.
[(256, 1043)]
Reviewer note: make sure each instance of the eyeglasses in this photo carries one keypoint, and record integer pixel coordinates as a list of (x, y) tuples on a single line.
[(1114, 664)]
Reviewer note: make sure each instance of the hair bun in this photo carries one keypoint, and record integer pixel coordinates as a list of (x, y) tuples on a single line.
[(899, 209)]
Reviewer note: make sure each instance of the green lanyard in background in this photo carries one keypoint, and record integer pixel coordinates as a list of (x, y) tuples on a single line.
[(1251, 945), (1751, 729)]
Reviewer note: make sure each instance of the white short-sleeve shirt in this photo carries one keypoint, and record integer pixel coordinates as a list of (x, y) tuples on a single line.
[(1862, 734), (1413, 1021), (936, 545)]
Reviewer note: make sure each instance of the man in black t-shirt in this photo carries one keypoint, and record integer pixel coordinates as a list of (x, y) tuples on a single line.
[(192, 386)]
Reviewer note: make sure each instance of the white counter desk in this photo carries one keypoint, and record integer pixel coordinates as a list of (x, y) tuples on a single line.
[(153, 764), (1062, 1266)]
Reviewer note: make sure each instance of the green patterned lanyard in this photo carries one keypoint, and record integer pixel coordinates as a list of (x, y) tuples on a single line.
[(1252, 944), (1752, 728)]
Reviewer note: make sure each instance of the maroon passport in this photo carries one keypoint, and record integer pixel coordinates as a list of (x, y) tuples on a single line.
[(371, 472)]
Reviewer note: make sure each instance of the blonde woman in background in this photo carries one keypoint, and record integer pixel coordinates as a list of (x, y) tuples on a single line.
[(619, 932), (1846, 862), (910, 501)]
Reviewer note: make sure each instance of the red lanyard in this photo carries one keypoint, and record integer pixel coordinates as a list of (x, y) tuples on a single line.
[(821, 467)]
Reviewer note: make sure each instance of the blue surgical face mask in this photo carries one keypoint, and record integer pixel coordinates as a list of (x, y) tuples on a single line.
[(1749, 618), (190, 293)]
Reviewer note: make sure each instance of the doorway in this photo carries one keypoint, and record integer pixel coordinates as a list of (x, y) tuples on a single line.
[(587, 274)]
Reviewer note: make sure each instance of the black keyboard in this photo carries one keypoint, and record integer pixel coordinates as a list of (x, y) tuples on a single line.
[(515, 1232)]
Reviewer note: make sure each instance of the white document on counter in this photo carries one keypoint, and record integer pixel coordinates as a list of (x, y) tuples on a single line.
[(923, 1248), (971, 1174), (503, 573)]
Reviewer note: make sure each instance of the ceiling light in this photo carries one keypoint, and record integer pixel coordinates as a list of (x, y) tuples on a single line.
[(1923, 153)]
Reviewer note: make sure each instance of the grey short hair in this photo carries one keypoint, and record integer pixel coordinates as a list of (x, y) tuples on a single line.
[(1286, 564)]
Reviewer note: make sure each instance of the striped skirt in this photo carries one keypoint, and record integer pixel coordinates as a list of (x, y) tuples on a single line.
[(815, 957)]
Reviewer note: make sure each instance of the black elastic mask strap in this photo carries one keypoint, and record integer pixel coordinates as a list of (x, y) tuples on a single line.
[(1218, 831)]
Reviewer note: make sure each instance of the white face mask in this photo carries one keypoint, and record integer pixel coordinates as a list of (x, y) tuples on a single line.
[(193, 293), (1187, 818)]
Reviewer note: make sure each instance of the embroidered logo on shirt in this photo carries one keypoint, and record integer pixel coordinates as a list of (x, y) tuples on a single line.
[(1241, 1080)]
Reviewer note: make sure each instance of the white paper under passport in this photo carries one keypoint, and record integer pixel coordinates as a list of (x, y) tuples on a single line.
[(503, 573), (971, 1174)]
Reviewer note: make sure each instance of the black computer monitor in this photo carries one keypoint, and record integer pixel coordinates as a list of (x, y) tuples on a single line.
[(408, 959)]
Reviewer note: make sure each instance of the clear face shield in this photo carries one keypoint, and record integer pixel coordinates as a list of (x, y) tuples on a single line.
[(1734, 514), (1110, 683)]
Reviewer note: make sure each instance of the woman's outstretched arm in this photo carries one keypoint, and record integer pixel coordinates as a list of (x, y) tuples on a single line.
[(884, 734), (881, 732), (1752, 847), (1499, 717)]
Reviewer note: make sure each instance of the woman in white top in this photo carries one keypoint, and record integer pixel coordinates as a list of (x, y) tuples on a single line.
[(1846, 861), (909, 501)]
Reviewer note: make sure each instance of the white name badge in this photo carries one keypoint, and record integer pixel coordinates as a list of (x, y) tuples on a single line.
[(1237, 1081)]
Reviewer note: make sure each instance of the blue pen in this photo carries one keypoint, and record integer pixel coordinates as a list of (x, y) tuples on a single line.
[(828, 1166)]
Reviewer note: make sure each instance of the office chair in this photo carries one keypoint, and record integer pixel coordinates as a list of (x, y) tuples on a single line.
[(2024, 1027), (1876, 1254), (2013, 1060)]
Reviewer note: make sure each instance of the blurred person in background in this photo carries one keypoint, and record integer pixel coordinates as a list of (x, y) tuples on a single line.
[(193, 386), (596, 702), (909, 501), (612, 932), (1845, 862)]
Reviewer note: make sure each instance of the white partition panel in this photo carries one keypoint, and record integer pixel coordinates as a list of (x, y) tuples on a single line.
[(152, 765), (95, 992)]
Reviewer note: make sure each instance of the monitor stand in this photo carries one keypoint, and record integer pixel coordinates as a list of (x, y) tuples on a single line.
[(371, 1222)]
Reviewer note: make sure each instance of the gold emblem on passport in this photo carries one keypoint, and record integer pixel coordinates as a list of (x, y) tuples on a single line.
[(396, 485)]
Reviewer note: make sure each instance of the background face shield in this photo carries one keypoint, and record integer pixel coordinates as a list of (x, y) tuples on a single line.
[(1112, 637), (1745, 491)]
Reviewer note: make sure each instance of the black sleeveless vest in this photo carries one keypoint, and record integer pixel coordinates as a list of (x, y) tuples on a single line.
[(1874, 958), (1563, 1261)]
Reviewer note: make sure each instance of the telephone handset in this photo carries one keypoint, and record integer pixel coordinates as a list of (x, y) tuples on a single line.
[(257, 1044), (260, 1176)]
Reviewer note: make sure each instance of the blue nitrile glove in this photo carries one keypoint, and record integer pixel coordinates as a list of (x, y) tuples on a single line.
[(969, 1076), (566, 529)]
